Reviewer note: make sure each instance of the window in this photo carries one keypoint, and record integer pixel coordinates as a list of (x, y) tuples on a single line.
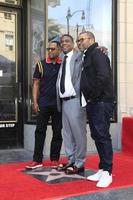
[(49, 21), (9, 41), (8, 16), (96, 16), (36, 46)]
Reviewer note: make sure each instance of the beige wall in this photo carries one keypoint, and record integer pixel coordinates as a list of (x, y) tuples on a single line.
[(125, 58)]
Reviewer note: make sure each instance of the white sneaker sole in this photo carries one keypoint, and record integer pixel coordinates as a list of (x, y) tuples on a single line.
[(35, 167), (103, 186), (105, 180), (91, 179)]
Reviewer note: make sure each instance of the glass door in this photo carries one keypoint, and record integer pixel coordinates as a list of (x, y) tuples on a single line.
[(10, 78)]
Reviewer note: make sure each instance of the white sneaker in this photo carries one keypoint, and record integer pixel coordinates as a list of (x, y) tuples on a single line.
[(105, 180), (96, 176)]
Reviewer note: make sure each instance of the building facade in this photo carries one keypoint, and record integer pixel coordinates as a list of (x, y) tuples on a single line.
[(26, 27)]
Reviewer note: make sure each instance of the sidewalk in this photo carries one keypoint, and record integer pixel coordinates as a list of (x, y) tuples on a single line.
[(20, 155)]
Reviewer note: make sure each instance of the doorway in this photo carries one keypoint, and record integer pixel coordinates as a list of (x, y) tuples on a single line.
[(11, 112)]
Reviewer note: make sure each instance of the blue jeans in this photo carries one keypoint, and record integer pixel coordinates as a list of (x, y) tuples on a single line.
[(99, 115)]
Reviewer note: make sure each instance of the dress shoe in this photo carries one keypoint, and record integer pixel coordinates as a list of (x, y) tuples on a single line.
[(105, 180), (64, 166), (96, 176), (74, 170)]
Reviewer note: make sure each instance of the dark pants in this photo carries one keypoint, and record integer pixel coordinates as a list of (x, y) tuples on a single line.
[(40, 133), (99, 115)]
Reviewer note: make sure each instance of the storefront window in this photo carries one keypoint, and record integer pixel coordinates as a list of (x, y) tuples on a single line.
[(67, 16), (36, 43)]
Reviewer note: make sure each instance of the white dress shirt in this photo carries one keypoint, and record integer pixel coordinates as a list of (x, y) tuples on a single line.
[(83, 101), (69, 89)]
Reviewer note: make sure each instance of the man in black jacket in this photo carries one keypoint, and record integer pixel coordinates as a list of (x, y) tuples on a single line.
[(97, 90)]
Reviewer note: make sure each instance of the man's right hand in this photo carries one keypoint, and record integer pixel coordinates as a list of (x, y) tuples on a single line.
[(103, 49), (36, 108)]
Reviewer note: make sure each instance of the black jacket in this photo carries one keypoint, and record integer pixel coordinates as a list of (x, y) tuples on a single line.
[(96, 77)]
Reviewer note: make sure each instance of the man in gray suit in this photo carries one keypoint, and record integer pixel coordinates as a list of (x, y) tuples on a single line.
[(73, 115)]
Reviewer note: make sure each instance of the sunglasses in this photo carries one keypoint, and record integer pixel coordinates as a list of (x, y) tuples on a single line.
[(50, 49)]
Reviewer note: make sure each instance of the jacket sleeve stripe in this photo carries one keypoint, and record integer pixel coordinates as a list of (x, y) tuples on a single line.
[(40, 68)]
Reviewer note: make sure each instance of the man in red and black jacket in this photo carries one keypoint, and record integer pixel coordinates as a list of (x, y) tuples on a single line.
[(45, 106)]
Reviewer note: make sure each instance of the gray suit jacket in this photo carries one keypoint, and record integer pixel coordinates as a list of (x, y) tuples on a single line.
[(75, 70)]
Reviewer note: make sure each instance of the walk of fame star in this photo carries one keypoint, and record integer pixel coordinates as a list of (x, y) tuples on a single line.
[(52, 176)]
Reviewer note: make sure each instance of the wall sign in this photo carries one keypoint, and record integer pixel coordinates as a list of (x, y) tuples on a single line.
[(7, 125)]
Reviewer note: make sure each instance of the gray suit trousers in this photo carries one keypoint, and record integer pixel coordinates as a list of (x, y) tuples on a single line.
[(74, 131)]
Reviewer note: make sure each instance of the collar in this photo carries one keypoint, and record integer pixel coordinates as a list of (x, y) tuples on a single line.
[(69, 54), (84, 51), (90, 49), (58, 60)]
